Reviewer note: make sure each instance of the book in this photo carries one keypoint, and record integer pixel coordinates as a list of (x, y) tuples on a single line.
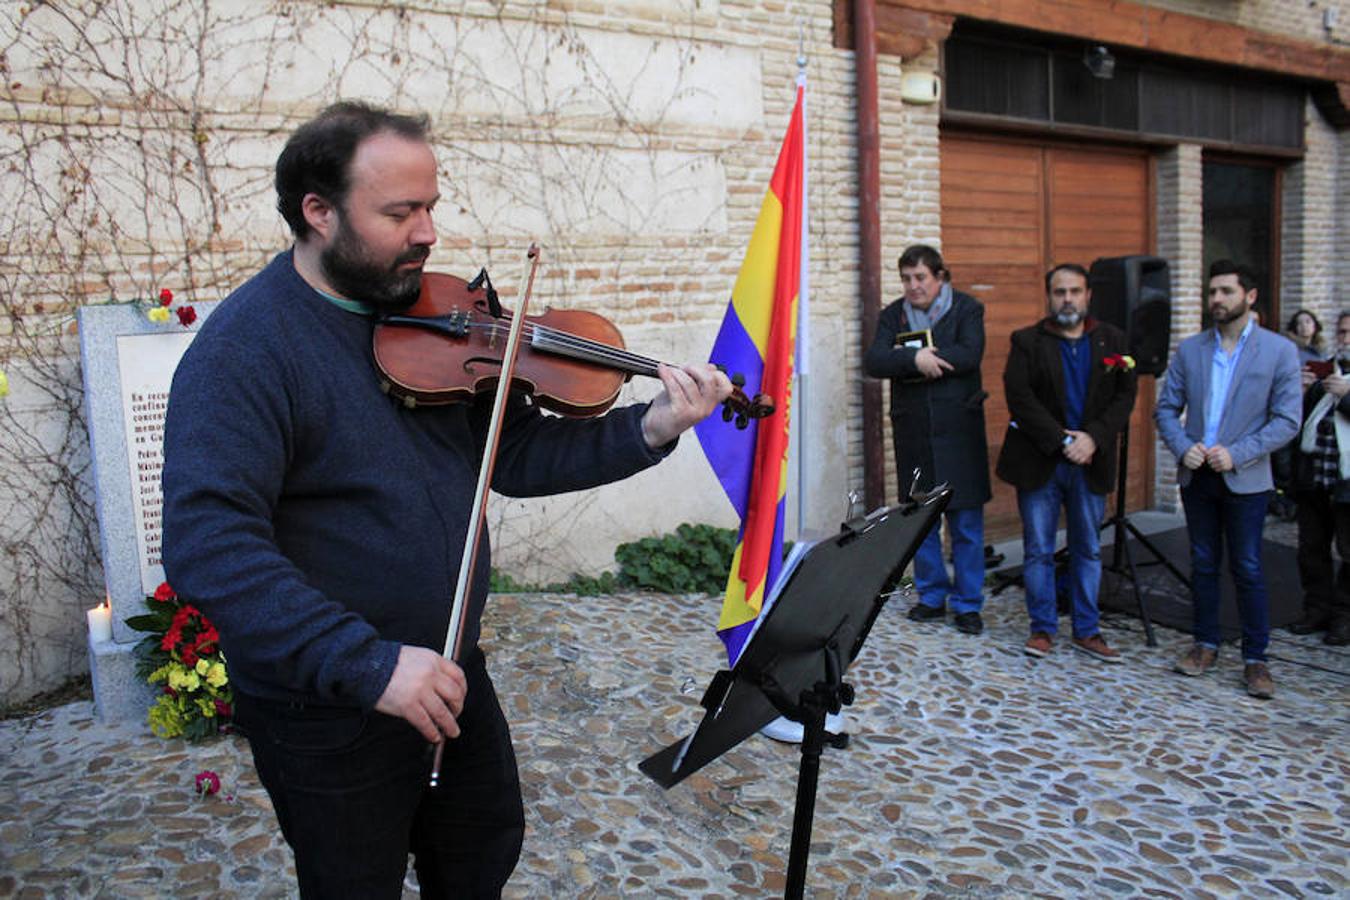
[(914, 340), (1321, 368)]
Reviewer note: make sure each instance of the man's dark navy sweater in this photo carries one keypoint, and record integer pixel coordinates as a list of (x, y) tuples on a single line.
[(320, 523)]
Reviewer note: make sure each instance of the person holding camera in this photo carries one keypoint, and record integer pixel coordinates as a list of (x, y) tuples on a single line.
[(1321, 489)]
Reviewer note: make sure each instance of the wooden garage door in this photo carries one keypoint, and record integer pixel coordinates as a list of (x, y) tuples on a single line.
[(1011, 210)]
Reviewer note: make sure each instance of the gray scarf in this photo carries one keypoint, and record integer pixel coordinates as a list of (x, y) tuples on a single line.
[(923, 319)]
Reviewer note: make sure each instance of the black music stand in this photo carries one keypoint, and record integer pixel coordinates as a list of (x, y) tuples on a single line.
[(794, 662)]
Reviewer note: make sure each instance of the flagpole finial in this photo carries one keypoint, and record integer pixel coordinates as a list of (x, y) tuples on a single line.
[(801, 45)]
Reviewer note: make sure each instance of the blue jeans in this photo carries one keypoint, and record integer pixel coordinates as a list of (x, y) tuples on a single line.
[(1215, 516), (964, 592), (1040, 519), (350, 791)]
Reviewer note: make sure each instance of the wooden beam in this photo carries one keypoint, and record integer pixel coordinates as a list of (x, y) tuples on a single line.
[(906, 33)]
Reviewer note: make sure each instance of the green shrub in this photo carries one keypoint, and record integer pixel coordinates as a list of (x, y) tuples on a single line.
[(692, 559), (695, 559)]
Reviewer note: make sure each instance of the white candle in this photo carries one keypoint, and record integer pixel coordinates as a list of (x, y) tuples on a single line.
[(100, 623)]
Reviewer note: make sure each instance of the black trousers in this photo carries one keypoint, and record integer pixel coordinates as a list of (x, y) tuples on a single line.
[(350, 790), (1322, 522)]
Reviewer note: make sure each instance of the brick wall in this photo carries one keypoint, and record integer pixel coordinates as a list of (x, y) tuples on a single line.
[(1179, 227), (634, 139), (1296, 18), (1311, 225)]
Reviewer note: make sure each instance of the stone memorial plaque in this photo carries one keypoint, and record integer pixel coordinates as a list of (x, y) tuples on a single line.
[(128, 364), (146, 363)]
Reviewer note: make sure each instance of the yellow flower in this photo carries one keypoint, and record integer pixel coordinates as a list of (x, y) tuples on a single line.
[(1128, 360), (202, 667), (159, 315), (165, 721), (184, 680), (4, 384), (217, 677)]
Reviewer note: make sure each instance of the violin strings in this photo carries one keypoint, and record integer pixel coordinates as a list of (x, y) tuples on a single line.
[(584, 348)]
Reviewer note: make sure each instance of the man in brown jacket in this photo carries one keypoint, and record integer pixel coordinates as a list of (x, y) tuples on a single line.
[(1070, 387)]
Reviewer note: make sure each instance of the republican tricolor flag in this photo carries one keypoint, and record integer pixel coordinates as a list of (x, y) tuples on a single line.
[(757, 339)]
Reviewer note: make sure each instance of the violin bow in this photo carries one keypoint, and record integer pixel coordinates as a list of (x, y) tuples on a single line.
[(454, 635)]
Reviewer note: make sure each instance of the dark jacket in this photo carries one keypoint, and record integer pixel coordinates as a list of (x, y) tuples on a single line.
[(1302, 476), (937, 425), (319, 523), (1033, 383)]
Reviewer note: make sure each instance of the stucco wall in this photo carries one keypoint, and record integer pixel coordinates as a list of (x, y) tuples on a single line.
[(633, 140)]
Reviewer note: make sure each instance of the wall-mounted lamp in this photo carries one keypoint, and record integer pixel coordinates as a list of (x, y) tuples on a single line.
[(921, 87), (1099, 61)]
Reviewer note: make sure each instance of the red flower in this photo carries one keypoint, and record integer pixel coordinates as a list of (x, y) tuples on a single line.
[(165, 297), (164, 593), (223, 709), (186, 315), (207, 640), (189, 656), (208, 783)]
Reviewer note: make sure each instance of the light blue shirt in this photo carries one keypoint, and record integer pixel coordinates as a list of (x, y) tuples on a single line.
[(1221, 368)]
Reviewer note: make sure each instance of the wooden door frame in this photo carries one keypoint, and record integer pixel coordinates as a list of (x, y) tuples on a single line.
[(1276, 218)]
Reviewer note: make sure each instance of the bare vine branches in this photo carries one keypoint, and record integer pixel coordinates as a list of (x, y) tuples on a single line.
[(136, 145)]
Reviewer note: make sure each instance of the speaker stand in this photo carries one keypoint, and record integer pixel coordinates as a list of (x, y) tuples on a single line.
[(1122, 561)]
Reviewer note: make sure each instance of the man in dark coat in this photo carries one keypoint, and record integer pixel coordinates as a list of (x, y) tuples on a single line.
[(930, 343), (1070, 387)]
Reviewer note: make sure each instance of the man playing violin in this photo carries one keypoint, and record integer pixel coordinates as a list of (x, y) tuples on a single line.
[(320, 523)]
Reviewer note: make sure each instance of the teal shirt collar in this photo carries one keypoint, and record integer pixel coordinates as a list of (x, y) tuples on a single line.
[(351, 306)]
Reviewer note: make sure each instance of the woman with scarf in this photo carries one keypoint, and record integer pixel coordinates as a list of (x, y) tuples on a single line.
[(929, 343)]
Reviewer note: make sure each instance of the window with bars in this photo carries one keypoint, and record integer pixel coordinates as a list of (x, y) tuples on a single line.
[(1020, 78)]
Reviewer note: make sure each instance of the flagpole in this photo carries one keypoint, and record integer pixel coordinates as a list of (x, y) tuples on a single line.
[(803, 367)]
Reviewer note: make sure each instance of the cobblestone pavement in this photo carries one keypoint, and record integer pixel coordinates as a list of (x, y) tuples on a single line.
[(973, 771)]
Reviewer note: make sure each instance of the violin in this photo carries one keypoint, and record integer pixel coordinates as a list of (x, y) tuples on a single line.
[(447, 348)]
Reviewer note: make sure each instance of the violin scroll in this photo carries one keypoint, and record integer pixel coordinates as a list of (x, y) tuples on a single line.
[(744, 408)]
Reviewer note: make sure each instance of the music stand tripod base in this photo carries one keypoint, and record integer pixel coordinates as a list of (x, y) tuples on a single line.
[(795, 661)]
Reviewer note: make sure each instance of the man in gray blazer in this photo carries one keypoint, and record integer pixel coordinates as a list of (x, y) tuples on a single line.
[(1238, 385)]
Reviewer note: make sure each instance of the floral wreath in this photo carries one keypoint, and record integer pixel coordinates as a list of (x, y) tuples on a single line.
[(182, 650)]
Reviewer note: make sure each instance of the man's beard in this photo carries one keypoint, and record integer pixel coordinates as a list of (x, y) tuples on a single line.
[(353, 274), (1068, 316), (1223, 316)]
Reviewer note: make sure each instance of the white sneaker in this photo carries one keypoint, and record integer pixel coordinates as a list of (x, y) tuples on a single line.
[(789, 732)]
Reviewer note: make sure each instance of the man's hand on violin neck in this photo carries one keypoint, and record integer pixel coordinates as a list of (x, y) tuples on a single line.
[(690, 396), (427, 690)]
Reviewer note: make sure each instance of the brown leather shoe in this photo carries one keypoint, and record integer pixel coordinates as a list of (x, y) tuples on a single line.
[(1097, 646), (1198, 661), (1038, 644), (1258, 680)]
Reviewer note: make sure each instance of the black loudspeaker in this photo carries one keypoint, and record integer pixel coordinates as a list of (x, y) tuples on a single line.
[(1134, 293)]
